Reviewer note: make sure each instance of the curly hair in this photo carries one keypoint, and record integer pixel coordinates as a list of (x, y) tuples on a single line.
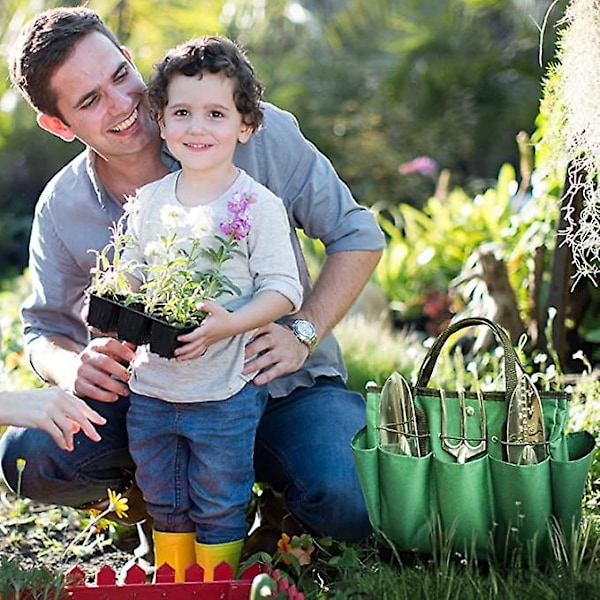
[(42, 47), (212, 54)]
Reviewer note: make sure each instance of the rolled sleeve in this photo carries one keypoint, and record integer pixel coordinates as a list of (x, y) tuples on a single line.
[(316, 199)]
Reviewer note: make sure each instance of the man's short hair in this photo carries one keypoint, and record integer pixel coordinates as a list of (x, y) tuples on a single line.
[(43, 45)]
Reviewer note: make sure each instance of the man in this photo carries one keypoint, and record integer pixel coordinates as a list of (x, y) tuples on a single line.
[(83, 85)]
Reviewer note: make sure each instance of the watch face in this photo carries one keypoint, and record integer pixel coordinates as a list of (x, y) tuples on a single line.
[(305, 329), (305, 332)]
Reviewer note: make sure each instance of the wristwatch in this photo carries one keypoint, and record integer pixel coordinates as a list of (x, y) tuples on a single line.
[(305, 332)]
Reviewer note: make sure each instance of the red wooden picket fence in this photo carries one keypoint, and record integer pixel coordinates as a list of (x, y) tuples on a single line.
[(135, 586)]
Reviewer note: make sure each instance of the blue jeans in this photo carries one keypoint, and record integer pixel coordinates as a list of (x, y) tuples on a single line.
[(195, 462), (302, 447)]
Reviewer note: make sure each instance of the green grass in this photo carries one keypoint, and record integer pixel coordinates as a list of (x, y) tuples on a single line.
[(374, 571), (15, 372), (41, 583)]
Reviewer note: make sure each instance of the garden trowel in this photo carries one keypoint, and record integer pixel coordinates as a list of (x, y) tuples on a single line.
[(525, 436), (400, 422)]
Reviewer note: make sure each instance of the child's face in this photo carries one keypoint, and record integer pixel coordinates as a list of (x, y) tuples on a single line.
[(201, 123)]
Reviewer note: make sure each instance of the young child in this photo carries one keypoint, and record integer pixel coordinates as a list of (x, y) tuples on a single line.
[(193, 419)]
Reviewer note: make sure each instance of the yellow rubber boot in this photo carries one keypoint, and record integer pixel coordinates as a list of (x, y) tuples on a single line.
[(208, 556), (176, 549)]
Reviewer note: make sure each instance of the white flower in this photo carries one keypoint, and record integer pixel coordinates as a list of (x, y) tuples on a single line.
[(154, 249), (173, 217), (199, 222), (131, 207)]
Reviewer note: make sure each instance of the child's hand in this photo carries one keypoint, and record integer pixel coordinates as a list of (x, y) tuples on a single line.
[(217, 326)]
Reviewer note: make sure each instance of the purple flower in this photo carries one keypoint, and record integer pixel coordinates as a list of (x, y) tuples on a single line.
[(238, 225), (239, 203)]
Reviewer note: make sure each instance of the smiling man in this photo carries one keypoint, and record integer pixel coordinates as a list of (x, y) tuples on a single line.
[(102, 104), (83, 85)]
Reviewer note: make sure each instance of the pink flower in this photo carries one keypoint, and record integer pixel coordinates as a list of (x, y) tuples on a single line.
[(422, 165)]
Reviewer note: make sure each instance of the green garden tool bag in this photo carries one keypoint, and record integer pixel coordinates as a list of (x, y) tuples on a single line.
[(488, 475)]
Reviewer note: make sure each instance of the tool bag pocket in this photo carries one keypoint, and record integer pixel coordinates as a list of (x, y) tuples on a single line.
[(489, 475)]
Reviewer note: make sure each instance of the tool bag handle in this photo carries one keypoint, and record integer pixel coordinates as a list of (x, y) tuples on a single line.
[(511, 360)]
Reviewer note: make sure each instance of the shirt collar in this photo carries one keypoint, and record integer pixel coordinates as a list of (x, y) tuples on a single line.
[(168, 159), (104, 195)]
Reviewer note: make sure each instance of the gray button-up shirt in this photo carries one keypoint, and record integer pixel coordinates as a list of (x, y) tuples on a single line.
[(74, 214)]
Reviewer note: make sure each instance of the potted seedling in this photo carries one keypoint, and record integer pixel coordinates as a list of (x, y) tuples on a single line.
[(172, 287), (109, 290), (175, 288)]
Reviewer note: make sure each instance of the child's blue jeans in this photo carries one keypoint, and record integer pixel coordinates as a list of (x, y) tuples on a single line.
[(195, 461)]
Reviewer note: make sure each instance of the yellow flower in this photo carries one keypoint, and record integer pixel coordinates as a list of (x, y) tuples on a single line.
[(12, 360), (301, 547), (102, 525), (118, 504)]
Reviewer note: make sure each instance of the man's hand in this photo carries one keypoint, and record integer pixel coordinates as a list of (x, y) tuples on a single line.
[(100, 370), (275, 351), (341, 280)]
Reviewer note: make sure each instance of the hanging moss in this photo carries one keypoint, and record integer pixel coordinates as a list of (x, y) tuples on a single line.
[(572, 129)]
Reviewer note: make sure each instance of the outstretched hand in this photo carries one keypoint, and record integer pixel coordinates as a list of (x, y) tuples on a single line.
[(55, 411)]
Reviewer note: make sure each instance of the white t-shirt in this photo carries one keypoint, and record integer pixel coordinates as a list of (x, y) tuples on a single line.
[(266, 262)]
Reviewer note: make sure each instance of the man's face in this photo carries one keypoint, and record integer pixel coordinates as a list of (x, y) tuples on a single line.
[(100, 95)]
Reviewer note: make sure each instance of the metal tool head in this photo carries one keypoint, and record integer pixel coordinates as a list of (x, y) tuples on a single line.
[(464, 445), (525, 435), (398, 426)]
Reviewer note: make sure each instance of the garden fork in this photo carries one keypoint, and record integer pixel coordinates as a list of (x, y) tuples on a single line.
[(461, 447)]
